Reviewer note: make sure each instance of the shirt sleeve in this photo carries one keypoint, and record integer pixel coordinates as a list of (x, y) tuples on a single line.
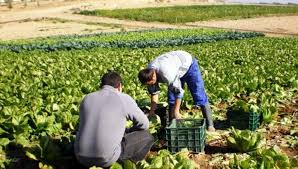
[(154, 89), (134, 113), (176, 88)]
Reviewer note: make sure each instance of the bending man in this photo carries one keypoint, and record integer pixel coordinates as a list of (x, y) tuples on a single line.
[(176, 68)]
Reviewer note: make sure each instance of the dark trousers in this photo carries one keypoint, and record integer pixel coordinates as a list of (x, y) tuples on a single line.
[(136, 145)]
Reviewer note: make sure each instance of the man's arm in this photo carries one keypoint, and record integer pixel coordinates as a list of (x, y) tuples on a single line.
[(153, 90), (154, 101), (178, 91), (176, 110), (134, 113)]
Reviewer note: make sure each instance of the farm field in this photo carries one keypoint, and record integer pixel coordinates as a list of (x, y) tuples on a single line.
[(43, 81), (23, 23), (184, 14)]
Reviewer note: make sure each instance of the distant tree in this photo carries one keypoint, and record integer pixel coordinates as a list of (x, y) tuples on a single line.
[(9, 3), (25, 2), (37, 2)]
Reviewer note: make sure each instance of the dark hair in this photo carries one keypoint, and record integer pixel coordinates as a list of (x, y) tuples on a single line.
[(112, 79), (146, 75)]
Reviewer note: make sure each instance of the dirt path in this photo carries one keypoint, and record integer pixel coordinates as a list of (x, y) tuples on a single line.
[(57, 19), (282, 25)]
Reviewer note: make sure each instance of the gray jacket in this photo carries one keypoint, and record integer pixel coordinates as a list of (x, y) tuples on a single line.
[(103, 116)]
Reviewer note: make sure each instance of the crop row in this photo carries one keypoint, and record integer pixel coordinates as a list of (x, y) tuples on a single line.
[(120, 36), (184, 14), (155, 43)]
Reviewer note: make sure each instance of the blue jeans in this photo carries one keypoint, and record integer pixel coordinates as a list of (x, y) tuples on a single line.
[(194, 81), (195, 84)]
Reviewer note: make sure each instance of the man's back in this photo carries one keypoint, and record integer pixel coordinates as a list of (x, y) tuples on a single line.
[(102, 124), (171, 64)]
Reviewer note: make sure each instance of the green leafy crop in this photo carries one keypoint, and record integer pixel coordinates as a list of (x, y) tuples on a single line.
[(244, 141), (41, 91), (164, 159), (264, 159)]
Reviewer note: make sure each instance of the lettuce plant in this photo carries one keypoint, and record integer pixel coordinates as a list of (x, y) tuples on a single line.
[(244, 141), (270, 158)]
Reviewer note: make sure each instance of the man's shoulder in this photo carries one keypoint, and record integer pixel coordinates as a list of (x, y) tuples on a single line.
[(90, 95), (170, 55), (125, 96), (180, 53)]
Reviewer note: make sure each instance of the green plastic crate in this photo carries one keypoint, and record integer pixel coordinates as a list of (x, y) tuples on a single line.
[(190, 136), (244, 120)]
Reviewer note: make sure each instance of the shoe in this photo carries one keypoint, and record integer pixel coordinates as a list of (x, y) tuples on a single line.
[(196, 107), (211, 129)]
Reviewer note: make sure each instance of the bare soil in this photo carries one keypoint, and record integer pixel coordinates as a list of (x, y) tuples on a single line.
[(37, 21), (281, 25)]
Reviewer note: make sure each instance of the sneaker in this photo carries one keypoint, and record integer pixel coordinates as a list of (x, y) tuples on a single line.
[(211, 129)]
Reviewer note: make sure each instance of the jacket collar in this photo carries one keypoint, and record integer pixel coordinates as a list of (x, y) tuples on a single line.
[(108, 87)]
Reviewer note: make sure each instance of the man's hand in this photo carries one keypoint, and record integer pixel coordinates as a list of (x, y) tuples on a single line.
[(178, 115), (175, 111), (151, 113)]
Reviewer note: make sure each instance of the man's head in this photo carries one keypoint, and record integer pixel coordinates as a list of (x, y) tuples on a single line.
[(147, 76), (112, 79)]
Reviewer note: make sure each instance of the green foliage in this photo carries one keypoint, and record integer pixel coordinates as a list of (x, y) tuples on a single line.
[(263, 159), (41, 91), (3, 160), (153, 43), (244, 164), (244, 141), (268, 108), (129, 124), (138, 35), (94, 167), (127, 164), (183, 14), (46, 150), (116, 166), (164, 159), (44, 166), (154, 124), (242, 106), (264, 105), (4, 142)]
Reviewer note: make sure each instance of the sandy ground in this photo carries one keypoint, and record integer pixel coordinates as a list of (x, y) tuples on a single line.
[(282, 25), (56, 18)]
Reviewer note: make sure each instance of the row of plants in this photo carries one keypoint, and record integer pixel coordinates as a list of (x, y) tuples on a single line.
[(183, 14), (41, 91), (154, 43), (147, 34)]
